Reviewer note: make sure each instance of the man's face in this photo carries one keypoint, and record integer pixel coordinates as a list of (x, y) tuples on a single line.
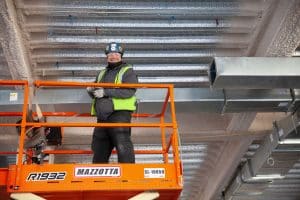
[(113, 57)]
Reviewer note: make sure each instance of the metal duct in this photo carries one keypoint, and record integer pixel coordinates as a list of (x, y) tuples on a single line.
[(255, 73)]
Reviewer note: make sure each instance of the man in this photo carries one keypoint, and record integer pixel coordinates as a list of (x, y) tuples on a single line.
[(113, 105)]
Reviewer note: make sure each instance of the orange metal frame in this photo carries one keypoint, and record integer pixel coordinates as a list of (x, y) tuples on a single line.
[(131, 179)]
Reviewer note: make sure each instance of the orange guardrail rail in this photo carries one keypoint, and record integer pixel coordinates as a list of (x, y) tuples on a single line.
[(93, 181)]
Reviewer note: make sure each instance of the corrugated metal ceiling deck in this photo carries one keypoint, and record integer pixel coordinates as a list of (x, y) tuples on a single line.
[(167, 42), (176, 40)]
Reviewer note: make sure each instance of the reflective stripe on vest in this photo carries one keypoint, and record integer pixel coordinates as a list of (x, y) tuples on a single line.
[(118, 103)]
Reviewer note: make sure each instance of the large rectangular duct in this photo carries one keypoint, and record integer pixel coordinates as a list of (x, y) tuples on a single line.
[(255, 72)]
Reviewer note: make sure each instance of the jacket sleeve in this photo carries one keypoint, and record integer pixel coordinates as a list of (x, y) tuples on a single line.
[(128, 77)]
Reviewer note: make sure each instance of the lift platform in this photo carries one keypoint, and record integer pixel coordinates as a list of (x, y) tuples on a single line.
[(80, 181)]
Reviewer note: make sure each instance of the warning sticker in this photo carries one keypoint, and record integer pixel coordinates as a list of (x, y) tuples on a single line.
[(154, 173), (97, 171), (13, 96)]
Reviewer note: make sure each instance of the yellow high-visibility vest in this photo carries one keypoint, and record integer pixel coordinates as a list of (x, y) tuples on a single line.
[(118, 103)]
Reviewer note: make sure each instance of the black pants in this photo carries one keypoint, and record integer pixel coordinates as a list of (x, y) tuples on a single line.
[(105, 139)]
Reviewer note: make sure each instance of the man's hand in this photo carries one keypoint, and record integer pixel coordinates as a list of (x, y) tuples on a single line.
[(90, 91), (98, 92)]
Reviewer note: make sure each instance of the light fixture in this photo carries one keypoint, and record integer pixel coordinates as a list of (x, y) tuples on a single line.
[(267, 177), (289, 141)]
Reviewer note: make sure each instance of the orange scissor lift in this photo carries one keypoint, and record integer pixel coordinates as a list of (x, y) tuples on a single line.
[(76, 180)]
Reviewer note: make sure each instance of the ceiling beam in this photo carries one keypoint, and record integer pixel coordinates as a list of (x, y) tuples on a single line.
[(12, 43), (193, 100), (228, 160), (279, 34)]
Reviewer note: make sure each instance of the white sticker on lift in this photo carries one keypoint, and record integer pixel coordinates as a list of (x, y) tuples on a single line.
[(13, 96), (154, 173)]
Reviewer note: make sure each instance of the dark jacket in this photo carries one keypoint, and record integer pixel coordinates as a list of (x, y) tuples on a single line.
[(104, 106)]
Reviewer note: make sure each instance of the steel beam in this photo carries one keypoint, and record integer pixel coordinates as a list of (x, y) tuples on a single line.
[(279, 35), (229, 160), (235, 101), (12, 43)]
